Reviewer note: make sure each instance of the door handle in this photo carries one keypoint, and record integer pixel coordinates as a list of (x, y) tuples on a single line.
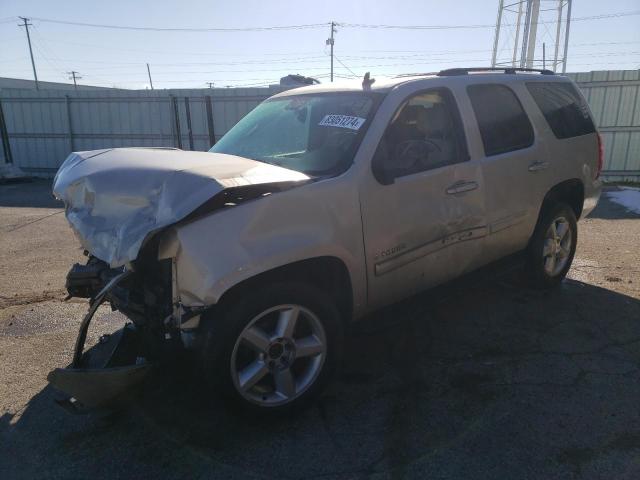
[(537, 166), (461, 187)]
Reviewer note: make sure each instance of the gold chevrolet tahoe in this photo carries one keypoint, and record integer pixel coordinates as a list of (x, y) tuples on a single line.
[(321, 205)]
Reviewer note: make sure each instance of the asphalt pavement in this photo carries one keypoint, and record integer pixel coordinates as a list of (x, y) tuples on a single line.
[(482, 380)]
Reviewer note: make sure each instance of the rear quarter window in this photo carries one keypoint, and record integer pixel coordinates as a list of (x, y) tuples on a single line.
[(503, 123), (563, 107)]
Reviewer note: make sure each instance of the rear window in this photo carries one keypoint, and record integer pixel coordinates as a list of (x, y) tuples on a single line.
[(563, 107), (503, 123)]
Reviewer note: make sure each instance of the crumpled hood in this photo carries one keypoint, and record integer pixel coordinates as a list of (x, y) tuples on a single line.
[(116, 198)]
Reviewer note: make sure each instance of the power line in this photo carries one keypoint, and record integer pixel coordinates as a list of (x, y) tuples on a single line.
[(295, 61), (314, 25), (424, 57), (434, 57), (47, 54), (306, 58), (47, 60), (467, 26), (342, 63), (415, 61), (58, 63), (183, 29), (183, 52)]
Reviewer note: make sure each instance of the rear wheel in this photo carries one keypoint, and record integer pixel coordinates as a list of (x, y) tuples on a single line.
[(552, 247), (274, 349)]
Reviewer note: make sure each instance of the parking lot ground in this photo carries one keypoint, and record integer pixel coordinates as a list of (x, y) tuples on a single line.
[(484, 380)]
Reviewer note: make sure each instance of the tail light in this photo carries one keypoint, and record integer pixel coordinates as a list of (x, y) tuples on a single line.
[(600, 156)]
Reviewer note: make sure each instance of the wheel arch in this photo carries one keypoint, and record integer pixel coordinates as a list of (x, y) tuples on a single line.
[(570, 192), (328, 273)]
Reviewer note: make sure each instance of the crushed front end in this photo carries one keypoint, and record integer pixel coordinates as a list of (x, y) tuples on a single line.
[(119, 203), (108, 371)]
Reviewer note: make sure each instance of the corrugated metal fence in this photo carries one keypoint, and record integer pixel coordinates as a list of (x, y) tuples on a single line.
[(614, 98), (43, 127)]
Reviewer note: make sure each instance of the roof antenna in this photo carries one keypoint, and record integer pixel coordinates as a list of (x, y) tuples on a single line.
[(367, 81)]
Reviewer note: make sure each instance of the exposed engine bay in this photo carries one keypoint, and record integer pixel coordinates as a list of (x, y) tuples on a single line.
[(120, 360)]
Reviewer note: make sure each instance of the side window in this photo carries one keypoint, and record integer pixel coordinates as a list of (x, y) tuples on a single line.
[(563, 108), (503, 123), (424, 134)]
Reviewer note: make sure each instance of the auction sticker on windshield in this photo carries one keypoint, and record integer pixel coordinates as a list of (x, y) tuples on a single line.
[(342, 121)]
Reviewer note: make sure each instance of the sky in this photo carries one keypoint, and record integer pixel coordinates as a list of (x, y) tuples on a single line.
[(186, 59)]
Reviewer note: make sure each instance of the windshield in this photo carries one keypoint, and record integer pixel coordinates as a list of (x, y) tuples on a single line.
[(314, 134)]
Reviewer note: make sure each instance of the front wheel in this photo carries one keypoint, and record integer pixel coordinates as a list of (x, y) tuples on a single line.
[(275, 348), (552, 247)]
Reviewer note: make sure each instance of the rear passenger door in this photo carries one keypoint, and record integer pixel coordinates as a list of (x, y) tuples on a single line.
[(512, 158)]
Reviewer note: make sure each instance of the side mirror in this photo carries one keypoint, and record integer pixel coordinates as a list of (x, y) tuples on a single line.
[(380, 164)]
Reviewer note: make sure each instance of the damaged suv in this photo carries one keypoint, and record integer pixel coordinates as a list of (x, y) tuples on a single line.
[(320, 206)]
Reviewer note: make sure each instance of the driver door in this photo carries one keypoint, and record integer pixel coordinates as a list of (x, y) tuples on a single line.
[(423, 208)]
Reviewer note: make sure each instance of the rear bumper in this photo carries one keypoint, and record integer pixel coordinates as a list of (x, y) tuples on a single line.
[(592, 194)]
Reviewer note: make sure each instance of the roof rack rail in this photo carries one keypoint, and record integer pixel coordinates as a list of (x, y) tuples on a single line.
[(509, 70), (424, 74)]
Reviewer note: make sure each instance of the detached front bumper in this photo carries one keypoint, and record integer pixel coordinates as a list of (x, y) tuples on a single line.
[(106, 372)]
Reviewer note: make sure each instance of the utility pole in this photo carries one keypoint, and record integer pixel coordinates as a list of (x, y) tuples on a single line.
[(149, 72), (26, 26), (331, 42), (211, 84), (544, 56), (74, 76)]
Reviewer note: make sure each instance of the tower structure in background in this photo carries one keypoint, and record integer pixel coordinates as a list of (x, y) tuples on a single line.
[(524, 26)]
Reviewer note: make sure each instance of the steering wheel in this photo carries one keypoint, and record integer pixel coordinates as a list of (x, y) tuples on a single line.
[(410, 153)]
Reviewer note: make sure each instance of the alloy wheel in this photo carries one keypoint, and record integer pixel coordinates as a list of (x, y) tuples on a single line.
[(557, 246), (278, 355)]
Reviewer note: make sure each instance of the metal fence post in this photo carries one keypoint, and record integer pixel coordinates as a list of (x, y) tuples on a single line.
[(6, 147), (69, 124), (209, 106), (187, 110), (176, 122)]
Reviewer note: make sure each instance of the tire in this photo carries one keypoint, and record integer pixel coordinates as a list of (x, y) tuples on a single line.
[(549, 256), (252, 338)]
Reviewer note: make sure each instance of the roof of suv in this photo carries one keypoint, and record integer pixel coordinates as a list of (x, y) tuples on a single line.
[(386, 84)]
